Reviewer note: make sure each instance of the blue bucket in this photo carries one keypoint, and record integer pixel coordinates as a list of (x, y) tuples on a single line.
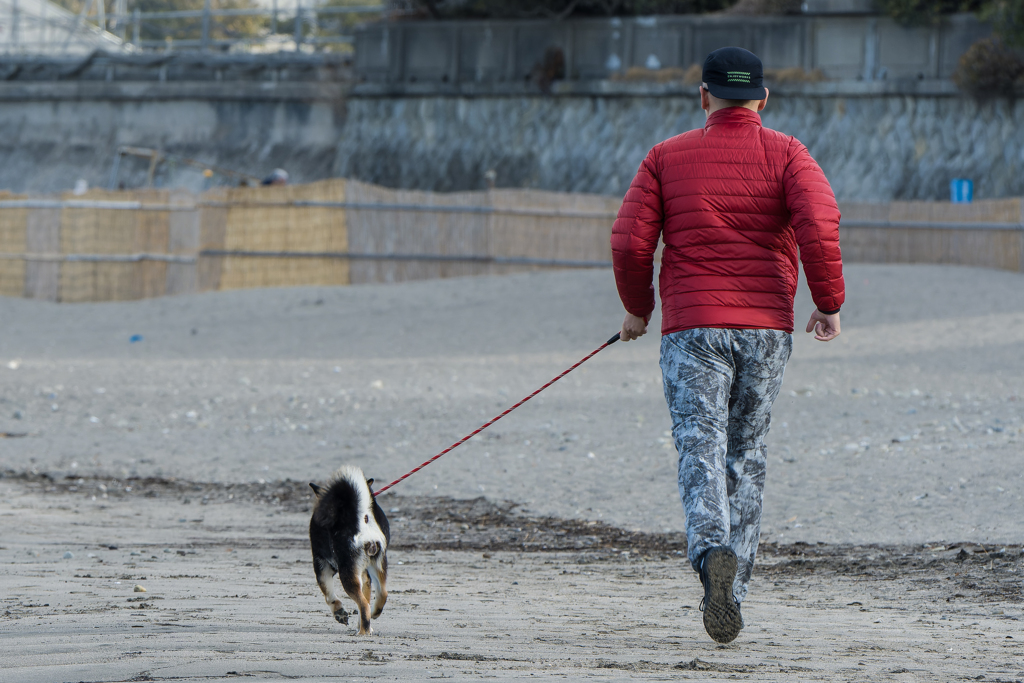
[(961, 191)]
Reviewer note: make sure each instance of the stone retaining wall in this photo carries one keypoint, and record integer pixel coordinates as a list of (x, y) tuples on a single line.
[(876, 141)]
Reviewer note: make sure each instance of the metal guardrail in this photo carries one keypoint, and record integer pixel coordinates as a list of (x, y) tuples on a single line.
[(99, 258), (453, 258), (354, 206), (442, 208), (353, 256), (938, 225), (57, 30)]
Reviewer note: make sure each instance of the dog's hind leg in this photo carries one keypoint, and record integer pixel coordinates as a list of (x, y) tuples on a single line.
[(379, 576), (353, 585), (325, 579), (367, 585)]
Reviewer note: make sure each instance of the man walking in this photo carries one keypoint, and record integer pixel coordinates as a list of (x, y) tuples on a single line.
[(734, 203)]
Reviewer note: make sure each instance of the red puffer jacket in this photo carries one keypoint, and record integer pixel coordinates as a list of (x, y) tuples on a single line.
[(732, 202)]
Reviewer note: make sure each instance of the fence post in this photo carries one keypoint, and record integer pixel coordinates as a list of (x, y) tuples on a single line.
[(15, 22), (205, 40), (136, 27), (298, 24), (120, 18)]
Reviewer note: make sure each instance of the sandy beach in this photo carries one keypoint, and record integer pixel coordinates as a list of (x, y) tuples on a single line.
[(550, 545)]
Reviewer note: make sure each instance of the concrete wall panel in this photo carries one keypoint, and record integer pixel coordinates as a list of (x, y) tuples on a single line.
[(843, 47), (484, 53), (532, 41), (592, 47), (905, 52), (713, 36), (373, 51), (956, 35), (781, 45), (839, 46), (655, 41), (428, 54)]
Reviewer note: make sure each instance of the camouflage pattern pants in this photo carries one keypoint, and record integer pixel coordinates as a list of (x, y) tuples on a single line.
[(720, 385)]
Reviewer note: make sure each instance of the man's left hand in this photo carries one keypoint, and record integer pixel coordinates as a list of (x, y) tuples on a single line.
[(825, 326), (633, 327)]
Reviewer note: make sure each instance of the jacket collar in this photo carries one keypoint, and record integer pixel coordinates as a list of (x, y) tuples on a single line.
[(734, 115)]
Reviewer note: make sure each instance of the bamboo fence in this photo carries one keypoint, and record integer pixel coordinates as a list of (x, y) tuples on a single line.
[(104, 246), (988, 233)]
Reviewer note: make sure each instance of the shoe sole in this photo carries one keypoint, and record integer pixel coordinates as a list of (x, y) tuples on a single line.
[(722, 618)]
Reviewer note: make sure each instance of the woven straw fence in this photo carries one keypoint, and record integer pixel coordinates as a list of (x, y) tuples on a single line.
[(113, 231), (261, 224), (877, 233), (408, 233), (98, 247), (12, 244), (496, 231), (581, 235)]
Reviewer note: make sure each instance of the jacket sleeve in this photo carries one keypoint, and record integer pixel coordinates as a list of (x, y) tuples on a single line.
[(815, 221), (635, 237)]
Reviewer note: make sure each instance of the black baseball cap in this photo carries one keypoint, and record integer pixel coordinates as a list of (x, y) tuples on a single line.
[(732, 73)]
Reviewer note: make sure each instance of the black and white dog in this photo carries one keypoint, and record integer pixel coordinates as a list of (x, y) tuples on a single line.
[(349, 535)]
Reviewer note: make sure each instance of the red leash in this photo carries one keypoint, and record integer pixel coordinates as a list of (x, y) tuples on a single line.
[(493, 420)]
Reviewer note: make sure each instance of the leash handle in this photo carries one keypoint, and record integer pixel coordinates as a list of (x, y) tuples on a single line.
[(487, 424)]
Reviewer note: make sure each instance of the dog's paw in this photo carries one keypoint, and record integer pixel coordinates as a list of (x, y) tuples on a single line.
[(367, 632), (341, 616), (377, 613)]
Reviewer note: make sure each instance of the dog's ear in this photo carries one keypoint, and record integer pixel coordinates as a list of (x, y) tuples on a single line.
[(316, 489), (369, 482)]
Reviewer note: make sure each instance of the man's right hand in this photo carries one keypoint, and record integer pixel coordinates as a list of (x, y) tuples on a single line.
[(825, 327), (633, 327)]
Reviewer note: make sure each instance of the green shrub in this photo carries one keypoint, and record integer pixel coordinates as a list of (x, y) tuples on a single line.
[(919, 12), (989, 69)]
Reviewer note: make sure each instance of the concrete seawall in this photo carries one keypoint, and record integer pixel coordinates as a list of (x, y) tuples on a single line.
[(876, 141), (58, 132)]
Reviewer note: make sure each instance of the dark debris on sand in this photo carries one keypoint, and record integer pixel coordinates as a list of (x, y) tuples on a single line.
[(966, 571)]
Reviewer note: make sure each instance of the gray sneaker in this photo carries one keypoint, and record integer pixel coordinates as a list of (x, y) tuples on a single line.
[(722, 618)]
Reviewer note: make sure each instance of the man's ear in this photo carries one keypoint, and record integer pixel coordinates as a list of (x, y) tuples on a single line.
[(705, 103), (760, 105)]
